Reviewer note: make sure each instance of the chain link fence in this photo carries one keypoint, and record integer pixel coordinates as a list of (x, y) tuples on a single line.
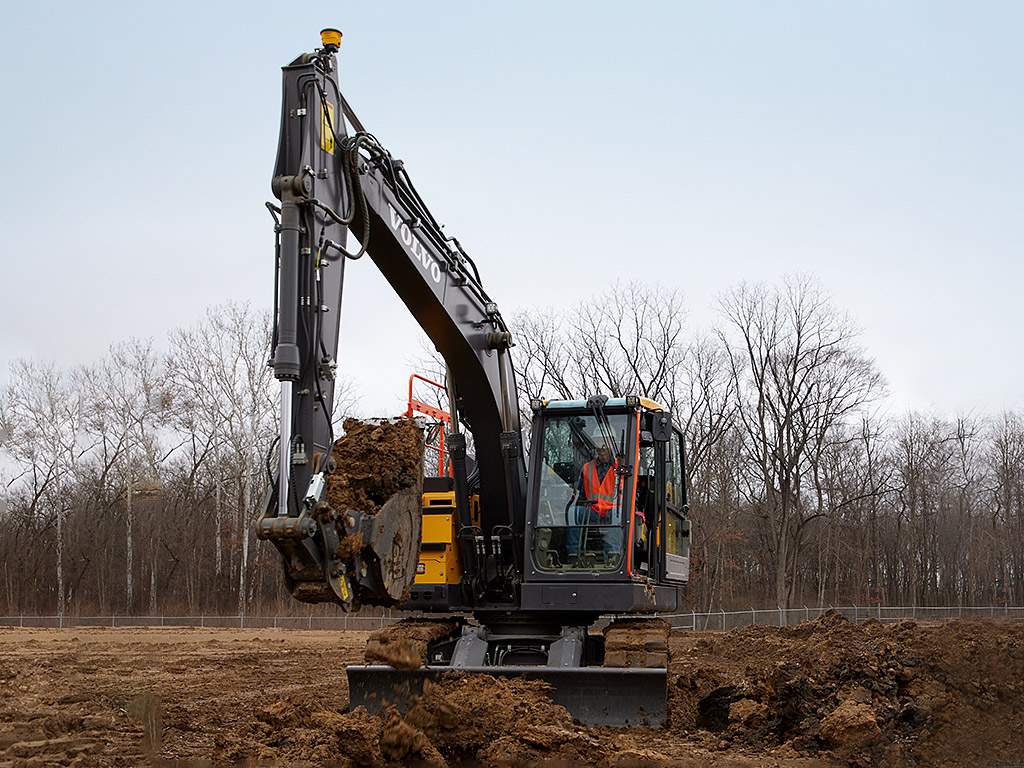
[(788, 617), (693, 620), (354, 622)]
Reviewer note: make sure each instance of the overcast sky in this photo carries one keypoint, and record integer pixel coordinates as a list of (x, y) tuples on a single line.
[(875, 145)]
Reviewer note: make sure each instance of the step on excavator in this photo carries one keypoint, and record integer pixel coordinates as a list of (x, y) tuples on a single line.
[(520, 554)]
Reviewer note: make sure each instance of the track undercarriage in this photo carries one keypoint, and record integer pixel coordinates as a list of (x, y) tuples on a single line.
[(617, 677)]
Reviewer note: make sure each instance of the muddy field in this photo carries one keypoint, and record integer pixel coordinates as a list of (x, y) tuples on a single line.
[(823, 693)]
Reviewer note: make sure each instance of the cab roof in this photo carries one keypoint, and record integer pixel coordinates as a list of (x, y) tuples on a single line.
[(613, 402)]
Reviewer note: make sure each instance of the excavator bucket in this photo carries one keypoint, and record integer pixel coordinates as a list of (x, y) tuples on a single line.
[(623, 697)]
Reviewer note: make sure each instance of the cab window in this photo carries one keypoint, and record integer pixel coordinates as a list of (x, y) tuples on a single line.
[(676, 525), (579, 518)]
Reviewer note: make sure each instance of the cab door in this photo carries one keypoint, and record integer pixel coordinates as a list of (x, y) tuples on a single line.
[(675, 531)]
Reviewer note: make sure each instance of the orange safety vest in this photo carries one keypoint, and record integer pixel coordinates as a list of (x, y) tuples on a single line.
[(602, 491)]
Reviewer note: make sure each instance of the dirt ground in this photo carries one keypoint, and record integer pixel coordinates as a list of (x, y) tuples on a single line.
[(824, 693)]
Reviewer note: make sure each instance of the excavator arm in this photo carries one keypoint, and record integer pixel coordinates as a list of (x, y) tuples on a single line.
[(329, 183)]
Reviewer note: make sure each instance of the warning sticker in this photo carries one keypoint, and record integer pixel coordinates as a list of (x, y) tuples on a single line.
[(326, 124)]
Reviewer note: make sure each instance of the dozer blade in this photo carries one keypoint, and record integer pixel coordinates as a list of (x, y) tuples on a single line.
[(592, 695)]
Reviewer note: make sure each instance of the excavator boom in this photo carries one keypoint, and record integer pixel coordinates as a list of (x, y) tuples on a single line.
[(331, 183)]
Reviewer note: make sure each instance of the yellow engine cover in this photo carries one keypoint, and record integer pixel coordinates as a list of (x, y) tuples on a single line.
[(439, 557)]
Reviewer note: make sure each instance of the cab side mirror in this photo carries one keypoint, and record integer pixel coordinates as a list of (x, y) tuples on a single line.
[(661, 427)]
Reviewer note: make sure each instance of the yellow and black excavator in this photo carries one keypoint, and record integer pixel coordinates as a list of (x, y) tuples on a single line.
[(532, 548)]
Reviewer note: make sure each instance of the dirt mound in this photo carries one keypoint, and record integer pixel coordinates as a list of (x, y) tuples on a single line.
[(452, 723), (300, 733), (374, 460), (404, 645), (860, 694)]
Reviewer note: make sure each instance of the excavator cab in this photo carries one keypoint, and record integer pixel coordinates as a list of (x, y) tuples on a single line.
[(607, 508), (606, 513)]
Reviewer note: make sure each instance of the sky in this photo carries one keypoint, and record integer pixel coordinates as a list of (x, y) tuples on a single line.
[(875, 145)]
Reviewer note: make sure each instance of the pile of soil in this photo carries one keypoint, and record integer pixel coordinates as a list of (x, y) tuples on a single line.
[(404, 645), (373, 461), (459, 719), (858, 694), (636, 643), (458, 715)]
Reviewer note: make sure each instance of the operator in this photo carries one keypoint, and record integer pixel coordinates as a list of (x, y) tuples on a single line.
[(598, 486)]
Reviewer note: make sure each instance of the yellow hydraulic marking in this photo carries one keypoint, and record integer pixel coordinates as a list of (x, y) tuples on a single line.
[(344, 588), (326, 122), (650, 405)]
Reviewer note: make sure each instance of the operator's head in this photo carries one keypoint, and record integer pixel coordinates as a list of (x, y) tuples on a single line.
[(604, 454)]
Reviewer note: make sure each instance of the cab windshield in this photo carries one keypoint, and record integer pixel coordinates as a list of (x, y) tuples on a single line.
[(580, 505)]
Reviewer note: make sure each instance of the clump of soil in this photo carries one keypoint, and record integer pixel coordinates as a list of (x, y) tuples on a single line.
[(374, 460), (404, 645), (349, 545), (300, 732), (636, 643)]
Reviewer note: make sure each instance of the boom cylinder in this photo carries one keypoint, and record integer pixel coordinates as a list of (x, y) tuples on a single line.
[(286, 356), (287, 363)]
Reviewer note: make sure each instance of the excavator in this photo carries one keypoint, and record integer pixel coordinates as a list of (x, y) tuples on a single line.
[(509, 541)]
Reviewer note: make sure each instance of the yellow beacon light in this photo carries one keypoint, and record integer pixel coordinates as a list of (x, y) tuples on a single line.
[(331, 38)]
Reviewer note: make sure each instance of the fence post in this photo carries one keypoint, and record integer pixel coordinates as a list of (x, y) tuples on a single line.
[(21, 620), (275, 622), (807, 613), (693, 620), (855, 615), (723, 619), (780, 615), (753, 617), (309, 624), (202, 620)]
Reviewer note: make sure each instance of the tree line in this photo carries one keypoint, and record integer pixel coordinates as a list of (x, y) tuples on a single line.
[(130, 484)]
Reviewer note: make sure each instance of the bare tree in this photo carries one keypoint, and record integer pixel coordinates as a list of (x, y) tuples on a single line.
[(627, 340), (798, 374), (219, 376), (126, 409), (41, 419)]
